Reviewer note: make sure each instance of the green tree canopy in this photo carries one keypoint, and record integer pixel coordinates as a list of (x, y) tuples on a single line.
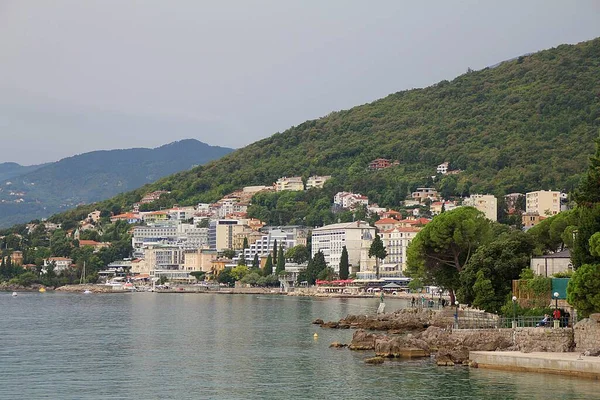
[(378, 251), (280, 267), (441, 250), (268, 270), (583, 289)]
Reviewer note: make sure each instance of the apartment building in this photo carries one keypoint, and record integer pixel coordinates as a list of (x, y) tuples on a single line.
[(316, 181), (292, 183), (486, 203), (543, 202), (330, 239)]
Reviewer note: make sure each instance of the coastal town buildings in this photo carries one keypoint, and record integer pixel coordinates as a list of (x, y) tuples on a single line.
[(60, 264), (330, 239), (529, 220)]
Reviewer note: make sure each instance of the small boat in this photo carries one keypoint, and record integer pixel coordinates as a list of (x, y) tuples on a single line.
[(14, 294), (42, 290), (87, 292)]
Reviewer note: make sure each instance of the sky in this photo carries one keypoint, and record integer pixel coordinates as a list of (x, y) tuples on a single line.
[(79, 76)]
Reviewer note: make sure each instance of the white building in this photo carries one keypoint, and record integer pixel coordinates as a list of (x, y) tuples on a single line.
[(349, 200), (60, 264), (330, 240), (443, 168), (486, 203), (396, 243), (152, 234), (550, 264), (316, 181), (264, 245), (543, 202)]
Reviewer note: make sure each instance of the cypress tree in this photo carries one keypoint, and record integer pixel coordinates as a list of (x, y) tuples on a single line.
[(275, 252), (245, 245), (268, 266), (255, 262), (280, 261), (344, 266)]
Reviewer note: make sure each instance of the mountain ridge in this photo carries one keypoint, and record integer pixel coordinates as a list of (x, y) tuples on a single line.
[(95, 176), (524, 125)]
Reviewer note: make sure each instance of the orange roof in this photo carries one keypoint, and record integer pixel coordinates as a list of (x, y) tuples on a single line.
[(386, 221), (59, 259), (408, 229)]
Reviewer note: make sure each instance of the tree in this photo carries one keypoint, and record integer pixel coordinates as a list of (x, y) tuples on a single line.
[(443, 247), (245, 245), (298, 254), (268, 270), (199, 275), (344, 266), (242, 259), (228, 253), (226, 277), (280, 261), (255, 262), (314, 268), (237, 273), (484, 292), (275, 249), (378, 251), (588, 192), (501, 261), (583, 289)]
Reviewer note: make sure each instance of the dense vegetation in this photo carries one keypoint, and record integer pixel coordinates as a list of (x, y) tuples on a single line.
[(92, 177), (524, 125)]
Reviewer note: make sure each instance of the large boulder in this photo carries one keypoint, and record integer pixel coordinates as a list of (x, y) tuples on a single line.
[(363, 340), (401, 346)]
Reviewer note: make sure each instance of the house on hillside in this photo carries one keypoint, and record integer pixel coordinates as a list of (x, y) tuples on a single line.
[(422, 193), (381, 163), (316, 181), (443, 168), (293, 183), (60, 264), (92, 243)]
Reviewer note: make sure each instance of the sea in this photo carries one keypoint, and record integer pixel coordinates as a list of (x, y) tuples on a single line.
[(219, 346)]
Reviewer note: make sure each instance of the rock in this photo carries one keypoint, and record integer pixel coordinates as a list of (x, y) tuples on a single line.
[(457, 355), (338, 345), (375, 360), (362, 340), (318, 321), (473, 364), (595, 317), (592, 353), (403, 347), (444, 361), (330, 324)]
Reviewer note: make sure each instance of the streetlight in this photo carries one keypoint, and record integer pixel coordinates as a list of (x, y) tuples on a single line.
[(556, 317), (456, 314), (440, 291), (514, 300)]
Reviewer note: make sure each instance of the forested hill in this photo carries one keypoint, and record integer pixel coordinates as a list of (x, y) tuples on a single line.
[(526, 124), (94, 176)]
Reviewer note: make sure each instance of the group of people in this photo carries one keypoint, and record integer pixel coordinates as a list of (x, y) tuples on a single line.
[(430, 303), (557, 316)]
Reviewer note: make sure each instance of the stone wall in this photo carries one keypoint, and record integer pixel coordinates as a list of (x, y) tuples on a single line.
[(587, 334), (529, 340)]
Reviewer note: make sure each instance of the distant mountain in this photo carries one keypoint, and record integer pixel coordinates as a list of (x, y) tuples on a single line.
[(10, 169), (28, 193)]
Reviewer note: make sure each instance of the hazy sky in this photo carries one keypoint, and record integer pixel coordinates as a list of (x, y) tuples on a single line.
[(83, 75)]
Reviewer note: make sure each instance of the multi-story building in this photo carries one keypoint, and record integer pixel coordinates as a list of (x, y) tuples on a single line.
[(316, 181), (543, 202), (381, 163), (443, 168), (425, 193), (150, 235), (486, 203), (396, 242), (291, 183), (198, 259), (60, 263), (221, 233), (286, 236), (349, 200), (330, 239), (437, 206)]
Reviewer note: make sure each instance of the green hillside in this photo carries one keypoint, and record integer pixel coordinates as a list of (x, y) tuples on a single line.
[(523, 125)]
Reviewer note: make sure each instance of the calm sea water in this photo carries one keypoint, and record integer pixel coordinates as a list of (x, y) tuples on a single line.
[(210, 346)]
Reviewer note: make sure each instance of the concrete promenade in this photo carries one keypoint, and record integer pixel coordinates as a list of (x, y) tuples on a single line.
[(572, 364)]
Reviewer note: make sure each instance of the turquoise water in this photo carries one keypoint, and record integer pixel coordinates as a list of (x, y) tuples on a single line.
[(210, 346)]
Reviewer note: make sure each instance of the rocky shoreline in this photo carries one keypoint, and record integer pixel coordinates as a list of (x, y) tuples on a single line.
[(413, 333)]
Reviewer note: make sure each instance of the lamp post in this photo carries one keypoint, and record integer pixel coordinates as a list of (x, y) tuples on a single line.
[(556, 320), (514, 322), (456, 314), (440, 291)]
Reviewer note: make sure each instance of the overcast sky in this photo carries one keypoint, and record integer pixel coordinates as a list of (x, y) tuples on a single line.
[(84, 75)]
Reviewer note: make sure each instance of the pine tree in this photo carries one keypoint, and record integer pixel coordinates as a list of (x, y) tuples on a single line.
[(280, 266), (268, 266), (255, 262), (588, 192), (344, 266), (275, 252)]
